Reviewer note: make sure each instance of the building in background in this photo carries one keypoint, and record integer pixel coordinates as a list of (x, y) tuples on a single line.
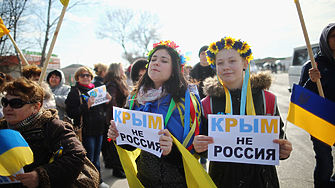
[(10, 64)]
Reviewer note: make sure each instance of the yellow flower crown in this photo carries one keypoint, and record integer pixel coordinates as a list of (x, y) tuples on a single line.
[(228, 43)]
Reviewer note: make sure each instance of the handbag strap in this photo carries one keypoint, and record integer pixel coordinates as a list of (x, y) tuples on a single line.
[(81, 117)]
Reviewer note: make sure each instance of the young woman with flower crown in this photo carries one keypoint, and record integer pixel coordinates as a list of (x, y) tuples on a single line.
[(231, 59), (164, 90)]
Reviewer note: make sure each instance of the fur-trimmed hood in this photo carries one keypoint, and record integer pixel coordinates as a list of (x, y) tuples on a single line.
[(261, 80)]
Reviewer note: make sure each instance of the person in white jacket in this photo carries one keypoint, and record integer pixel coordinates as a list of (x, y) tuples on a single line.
[(56, 81)]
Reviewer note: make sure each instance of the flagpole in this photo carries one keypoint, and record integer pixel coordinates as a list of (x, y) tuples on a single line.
[(285, 128), (46, 62), (17, 48), (308, 44)]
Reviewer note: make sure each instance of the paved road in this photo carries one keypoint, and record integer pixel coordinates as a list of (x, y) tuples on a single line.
[(295, 172)]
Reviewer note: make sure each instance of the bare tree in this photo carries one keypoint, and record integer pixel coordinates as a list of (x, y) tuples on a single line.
[(48, 20), (146, 31), (133, 31), (11, 13)]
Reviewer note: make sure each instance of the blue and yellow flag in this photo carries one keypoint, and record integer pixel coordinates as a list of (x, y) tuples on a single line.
[(65, 2), (188, 56), (15, 152), (312, 113), (3, 29)]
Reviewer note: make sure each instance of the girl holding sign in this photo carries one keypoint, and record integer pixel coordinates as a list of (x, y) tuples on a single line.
[(164, 90), (231, 93)]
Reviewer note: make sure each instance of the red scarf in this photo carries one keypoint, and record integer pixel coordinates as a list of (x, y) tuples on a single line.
[(91, 86)]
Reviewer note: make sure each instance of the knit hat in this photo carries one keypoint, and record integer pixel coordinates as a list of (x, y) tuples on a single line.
[(204, 48)]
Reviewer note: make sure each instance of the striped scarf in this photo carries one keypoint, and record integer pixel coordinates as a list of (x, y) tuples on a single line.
[(24, 124)]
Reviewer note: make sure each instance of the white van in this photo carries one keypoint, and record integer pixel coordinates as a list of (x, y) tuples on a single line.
[(253, 67), (299, 58)]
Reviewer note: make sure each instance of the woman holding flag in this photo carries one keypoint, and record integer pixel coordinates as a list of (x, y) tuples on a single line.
[(58, 156), (231, 93), (164, 90)]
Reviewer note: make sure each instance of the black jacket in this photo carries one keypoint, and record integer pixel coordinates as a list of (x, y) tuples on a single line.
[(93, 118), (326, 64), (200, 73)]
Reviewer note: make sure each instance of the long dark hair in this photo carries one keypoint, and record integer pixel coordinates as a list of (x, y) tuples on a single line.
[(113, 75), (176, 85)]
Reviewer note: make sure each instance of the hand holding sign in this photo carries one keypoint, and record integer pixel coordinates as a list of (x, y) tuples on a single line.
[(29, 179), (112, 131), (100, 94), (165, 141), (201, 142), (140, 130), (90, 101), (285, 148), (245, 139)]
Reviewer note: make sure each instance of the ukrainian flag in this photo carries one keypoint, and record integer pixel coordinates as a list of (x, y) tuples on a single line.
[(65, 2), (188, 56), (15, 152), (3, 29), (312, 113)]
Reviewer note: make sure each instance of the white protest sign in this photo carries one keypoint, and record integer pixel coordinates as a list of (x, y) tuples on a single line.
[(11, 179), (100, 95), (139, 129), (244, 139)]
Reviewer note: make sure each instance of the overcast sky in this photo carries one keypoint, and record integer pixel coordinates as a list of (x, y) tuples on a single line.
[(272, 28)]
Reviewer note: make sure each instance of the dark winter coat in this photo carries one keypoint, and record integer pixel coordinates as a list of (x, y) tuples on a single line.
[(45, 137), (326, 64), (226, 174), (199, 73), (93, 119), (118, 89)]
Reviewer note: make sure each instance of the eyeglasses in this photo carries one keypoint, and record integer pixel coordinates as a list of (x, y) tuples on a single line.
[(14, 103), (83, 75)]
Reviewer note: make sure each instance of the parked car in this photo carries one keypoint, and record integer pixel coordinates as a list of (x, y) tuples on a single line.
[(299, 58)]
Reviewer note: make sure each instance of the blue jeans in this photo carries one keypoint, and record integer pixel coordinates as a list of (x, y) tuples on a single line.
[(324, 164), (92, 144)]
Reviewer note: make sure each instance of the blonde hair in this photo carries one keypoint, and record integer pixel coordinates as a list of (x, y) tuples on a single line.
[(99, 67), (80, 70)]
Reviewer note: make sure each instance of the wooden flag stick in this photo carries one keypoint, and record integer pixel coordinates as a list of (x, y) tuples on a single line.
[(46, 62), (308, 44), (18, 50)]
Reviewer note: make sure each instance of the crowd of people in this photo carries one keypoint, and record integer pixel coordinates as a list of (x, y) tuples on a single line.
[(72, 126)]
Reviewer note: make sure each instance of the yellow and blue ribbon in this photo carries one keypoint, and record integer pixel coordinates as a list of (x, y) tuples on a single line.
[(247, 104)]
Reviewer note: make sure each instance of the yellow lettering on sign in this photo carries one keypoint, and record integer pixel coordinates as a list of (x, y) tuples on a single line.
[(13, 178), (230, 122), (125, 117), (265, 125), (153, 123)]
